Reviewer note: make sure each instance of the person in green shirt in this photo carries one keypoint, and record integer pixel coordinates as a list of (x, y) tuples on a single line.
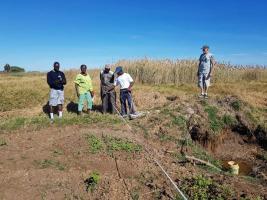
[(84, 90)]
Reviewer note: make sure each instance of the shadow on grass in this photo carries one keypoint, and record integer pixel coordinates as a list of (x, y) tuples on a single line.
[(72, 107), (46, 109), (97, 108)]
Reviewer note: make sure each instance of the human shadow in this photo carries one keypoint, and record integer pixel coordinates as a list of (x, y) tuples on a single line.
[(97, 108), (72, 107), (46, 109)]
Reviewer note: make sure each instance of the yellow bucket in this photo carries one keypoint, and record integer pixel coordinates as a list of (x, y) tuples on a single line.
[(234, 167)]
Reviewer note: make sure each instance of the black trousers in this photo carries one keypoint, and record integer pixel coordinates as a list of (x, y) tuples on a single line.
[(108, 102)]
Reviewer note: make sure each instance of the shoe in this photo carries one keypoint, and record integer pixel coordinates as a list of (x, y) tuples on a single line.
[(134, 116), (206, 96), (51, 121), (125, 116), (201, 96)]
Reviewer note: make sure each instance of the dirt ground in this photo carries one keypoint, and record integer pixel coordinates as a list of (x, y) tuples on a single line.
[(54, 162)]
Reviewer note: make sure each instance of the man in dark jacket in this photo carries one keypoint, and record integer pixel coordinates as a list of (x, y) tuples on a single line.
[(108, 95), (56, 80)]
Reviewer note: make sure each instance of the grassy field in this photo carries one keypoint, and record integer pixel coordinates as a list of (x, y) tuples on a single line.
[(18, 91)]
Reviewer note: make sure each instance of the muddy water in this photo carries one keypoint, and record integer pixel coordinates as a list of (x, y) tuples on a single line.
[(245, 168)]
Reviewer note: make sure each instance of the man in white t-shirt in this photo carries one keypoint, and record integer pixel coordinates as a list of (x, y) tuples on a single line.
[(125, 82)]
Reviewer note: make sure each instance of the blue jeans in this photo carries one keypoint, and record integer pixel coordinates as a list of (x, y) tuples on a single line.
[(126, 95)]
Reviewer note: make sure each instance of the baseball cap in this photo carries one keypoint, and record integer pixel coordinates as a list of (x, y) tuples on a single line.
[(118, 69)]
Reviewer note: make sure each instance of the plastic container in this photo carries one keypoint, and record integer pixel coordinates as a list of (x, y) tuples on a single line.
[(234, 167)]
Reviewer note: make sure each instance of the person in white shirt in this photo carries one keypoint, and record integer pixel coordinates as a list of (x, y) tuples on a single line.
[(125, 82)]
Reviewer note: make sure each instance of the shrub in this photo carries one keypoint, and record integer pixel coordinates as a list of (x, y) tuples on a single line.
[(236, 105), (92, 181)]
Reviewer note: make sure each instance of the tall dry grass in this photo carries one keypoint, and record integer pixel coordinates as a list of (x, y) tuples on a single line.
[(185, 72), (28, 90)]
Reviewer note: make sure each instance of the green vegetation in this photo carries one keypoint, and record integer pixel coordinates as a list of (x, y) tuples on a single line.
[(215, 122), (229, 120), (2, 142), (135, 194), (165, 137), (180, 121), (92, 181), (111, 144), (236, 105), (200, 153), (202, 188), (42, 121), (46, 163), (13, 69), (118, 144), (95, 144), (16, 69)]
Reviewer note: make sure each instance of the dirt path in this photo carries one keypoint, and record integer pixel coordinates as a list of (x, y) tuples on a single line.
[(24, 174)]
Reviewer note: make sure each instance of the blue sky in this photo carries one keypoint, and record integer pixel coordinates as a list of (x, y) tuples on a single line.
[(34, 33)]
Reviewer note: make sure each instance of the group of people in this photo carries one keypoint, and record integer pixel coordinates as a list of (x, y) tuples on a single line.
[(84, 89), (108, 81)]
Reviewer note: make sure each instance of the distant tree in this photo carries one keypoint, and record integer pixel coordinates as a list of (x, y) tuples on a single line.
[(16, 69), (7, 68)]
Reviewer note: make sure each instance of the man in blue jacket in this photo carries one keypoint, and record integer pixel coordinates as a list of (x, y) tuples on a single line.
[(56, 80)]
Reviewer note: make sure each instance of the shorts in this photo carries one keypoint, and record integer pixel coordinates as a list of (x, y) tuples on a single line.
[(56, 97), (202, 82)]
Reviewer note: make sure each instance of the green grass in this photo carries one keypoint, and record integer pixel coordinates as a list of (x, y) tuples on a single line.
[(111, 144), (95, 144), (236, 105), (180, 121), (119, 144), (43, 121), (203, 188), (46, 163), (229, 120), (215, 122), (165, 137), (92, 181), (200, 153)]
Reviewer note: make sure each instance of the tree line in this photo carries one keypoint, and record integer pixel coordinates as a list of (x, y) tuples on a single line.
[(10, 69)]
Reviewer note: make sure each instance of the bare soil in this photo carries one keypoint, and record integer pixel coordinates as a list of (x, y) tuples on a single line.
[(53, 163)]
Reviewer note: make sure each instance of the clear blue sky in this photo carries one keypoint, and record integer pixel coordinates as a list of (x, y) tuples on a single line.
[(34, 33)]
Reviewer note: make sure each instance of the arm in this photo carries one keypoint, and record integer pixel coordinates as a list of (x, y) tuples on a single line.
[(91, 90), (77, 90), (64, 81), (130, 87), (112, 87), (212, 65), (130, 79), (49, 80)]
